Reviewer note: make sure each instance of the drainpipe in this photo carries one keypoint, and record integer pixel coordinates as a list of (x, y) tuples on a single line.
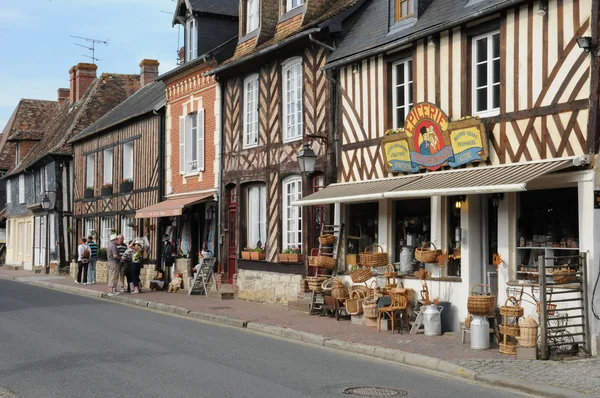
[(161, 177), (221, 197)]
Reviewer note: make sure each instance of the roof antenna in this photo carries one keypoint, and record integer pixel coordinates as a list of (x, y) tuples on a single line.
[(92, 48), (178, 35)]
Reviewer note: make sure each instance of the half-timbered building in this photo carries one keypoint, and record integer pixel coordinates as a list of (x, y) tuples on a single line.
[(469, 124), (276, 99)]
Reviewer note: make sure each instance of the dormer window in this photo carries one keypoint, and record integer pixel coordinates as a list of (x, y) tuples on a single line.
[(251, 15), (191, 34), (291, 4), (403, 9)]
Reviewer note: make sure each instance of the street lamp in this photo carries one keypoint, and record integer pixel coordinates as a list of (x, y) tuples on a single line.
[(307, 159), (46, 202)]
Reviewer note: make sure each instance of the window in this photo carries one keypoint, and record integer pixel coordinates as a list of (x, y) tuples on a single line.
[(191, 31), (256, 215), (107, 174), (251, 15), (486, 74), (88, 226), (291, 4), (107, 224), (402, 97), (251, 111), (128, 161), (191, 143), (292, 99), (89, 171), (21, 188), (126, 228), (404, 8), (8, 192), (292, 215)]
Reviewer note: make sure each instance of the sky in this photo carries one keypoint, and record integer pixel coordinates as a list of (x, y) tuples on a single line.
[(36, 50)]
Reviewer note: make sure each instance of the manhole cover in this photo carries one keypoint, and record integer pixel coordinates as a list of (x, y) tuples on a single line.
[(220, 308), (375, 392)]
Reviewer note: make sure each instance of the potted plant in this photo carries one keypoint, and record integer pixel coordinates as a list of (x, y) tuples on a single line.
[(295, 255), (127, 185), (69, 230), (102, 254), (284, 255), (133, 226), (246, 253), (113, 230), (258, 253), (88, 192), (107, 189)]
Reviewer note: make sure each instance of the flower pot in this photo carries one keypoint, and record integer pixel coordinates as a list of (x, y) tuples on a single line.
[(106, 191), (283, 258), (295, 258), (245, 255), (127, 186), (88, 193), (257, 256)]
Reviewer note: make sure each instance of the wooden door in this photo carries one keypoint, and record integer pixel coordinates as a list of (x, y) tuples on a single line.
[(232, 234)]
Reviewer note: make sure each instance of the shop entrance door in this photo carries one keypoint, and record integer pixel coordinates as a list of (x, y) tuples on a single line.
[(232, 247)]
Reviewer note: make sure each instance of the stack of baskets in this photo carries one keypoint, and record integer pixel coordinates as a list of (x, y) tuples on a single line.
[(483, 303), (374, 256), (430, 255), (510, 328), (314, 282)]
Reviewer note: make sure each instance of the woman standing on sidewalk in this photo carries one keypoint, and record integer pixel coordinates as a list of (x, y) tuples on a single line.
[(83, 259), (136, 265)]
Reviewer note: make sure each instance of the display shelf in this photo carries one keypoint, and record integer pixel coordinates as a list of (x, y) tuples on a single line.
[(546, 248)]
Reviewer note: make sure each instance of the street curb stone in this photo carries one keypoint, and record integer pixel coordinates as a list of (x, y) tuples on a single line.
[(530, 387)]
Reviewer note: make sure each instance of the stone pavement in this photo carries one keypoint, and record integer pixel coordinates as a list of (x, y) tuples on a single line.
[(443, 351)]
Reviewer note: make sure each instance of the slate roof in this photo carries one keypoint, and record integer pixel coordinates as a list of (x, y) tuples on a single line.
[(371, 28), (151, 97), (221, 7), (105, 92), (30, 117)]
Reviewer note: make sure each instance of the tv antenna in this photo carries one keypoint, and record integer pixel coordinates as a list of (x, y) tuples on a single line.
[(92, 46)]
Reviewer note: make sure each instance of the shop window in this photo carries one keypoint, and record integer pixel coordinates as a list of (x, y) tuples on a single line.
[(412, 226), (256, 215), (402, 86), (317, 212), (454, 230), (486, 74), (362, 228), (107, 224), (251, 111), (292, 215)]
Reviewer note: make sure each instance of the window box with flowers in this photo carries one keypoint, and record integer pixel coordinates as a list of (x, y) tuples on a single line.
[(258, 253), (127, 185), (295, 255), (246, 253), (283, 256), (88, 192), (107, 189)]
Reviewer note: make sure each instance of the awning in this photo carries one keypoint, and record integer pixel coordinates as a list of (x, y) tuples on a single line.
[(3, 214), (170, 207), (476, 180)]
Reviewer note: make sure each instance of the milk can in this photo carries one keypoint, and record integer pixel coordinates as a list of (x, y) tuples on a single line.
[(432, 320), (406, 260), (480, 333)]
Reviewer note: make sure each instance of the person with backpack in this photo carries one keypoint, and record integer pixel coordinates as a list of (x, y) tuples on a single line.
[(83, 259), (93, 260)]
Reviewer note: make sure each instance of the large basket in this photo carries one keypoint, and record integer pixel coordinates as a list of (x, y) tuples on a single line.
[(564, 275), (354, 304), (427, 255), (510, 330), (312, 259), (528, 333), (481, 303), (510, 310), (375, 257), (339, 290), (315, 282), (327, 239), (326, 262), (508, 348), (361, 275), (390, 272), (370, 307)]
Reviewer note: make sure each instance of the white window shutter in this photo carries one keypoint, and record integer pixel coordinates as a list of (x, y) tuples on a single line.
[(200, 133), (182, 144)]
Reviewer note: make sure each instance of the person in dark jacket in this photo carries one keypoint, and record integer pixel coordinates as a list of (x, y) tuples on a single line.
[(168, 259)]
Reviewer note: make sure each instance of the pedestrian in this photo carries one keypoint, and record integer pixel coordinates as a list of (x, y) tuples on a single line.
[(126, 264), (93, 260), (114, 259), (121, 247), (136, 264), (83, 259), (167, 259)]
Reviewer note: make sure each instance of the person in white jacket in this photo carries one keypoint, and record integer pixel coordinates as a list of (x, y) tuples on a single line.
[(83, 259)]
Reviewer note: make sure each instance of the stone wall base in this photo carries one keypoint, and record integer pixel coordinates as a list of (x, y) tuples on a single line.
[(146, 274), (267, 287)]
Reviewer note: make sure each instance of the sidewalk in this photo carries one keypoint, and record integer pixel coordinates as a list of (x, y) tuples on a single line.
[(443, 353)]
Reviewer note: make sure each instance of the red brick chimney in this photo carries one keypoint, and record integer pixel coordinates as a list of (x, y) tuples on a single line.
[(72, 84), (63, 95), (84, 76), (148, 71)]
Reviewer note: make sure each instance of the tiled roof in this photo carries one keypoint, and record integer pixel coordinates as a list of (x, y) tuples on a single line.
[(104, 94), (151, 97), (30, 117), (220, 7), (371, 27)]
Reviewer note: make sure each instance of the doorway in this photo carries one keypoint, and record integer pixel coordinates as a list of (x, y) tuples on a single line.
[(232, 235)]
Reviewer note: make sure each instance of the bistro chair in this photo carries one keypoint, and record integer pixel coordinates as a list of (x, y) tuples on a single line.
[(399, 305)]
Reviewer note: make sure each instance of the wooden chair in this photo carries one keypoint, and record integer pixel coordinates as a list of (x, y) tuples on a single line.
[(399, 305)]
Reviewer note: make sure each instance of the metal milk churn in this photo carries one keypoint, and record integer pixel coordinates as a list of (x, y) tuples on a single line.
[(480, 333), (432, 320), (406, 260)]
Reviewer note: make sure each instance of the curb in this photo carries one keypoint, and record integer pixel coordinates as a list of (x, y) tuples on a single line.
[(530, 387)]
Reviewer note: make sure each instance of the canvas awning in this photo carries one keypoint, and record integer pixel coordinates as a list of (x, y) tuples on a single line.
[(171, 207), (476, 180)]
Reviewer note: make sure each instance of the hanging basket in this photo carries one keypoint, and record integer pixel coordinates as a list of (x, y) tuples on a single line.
[(327, 239), (361, 275), (390, 272), (515, 310), (326, 262), (354, 304), (374, 256), (427, 255), (370, 307), (481, 303)]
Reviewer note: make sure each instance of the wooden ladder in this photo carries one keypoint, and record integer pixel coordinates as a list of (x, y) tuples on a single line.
[(204, 280)]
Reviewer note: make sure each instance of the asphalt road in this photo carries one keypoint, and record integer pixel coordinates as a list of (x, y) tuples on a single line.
[(55, 344)]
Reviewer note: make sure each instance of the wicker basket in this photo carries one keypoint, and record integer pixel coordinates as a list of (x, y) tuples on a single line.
[(482, 303), (427, 255), (315, 282), (514, 310), (370, 307), (390, 272), (510, 330), (326, 262), (354, 304), (564, 275), (312, 259), (375, 257), (509, 347), (361, 275), (327, 239), (550, 309), (528, 332), (339, 290)]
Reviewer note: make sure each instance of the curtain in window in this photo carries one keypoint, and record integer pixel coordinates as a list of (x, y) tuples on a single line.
[(256, 211)]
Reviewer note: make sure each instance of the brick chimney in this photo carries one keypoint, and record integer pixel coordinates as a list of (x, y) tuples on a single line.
[(64, 94), (84, 76), (148, 71), (72, 84)]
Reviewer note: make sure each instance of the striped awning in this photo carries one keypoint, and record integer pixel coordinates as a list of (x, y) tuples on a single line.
[(171, 207), (472, 181)]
